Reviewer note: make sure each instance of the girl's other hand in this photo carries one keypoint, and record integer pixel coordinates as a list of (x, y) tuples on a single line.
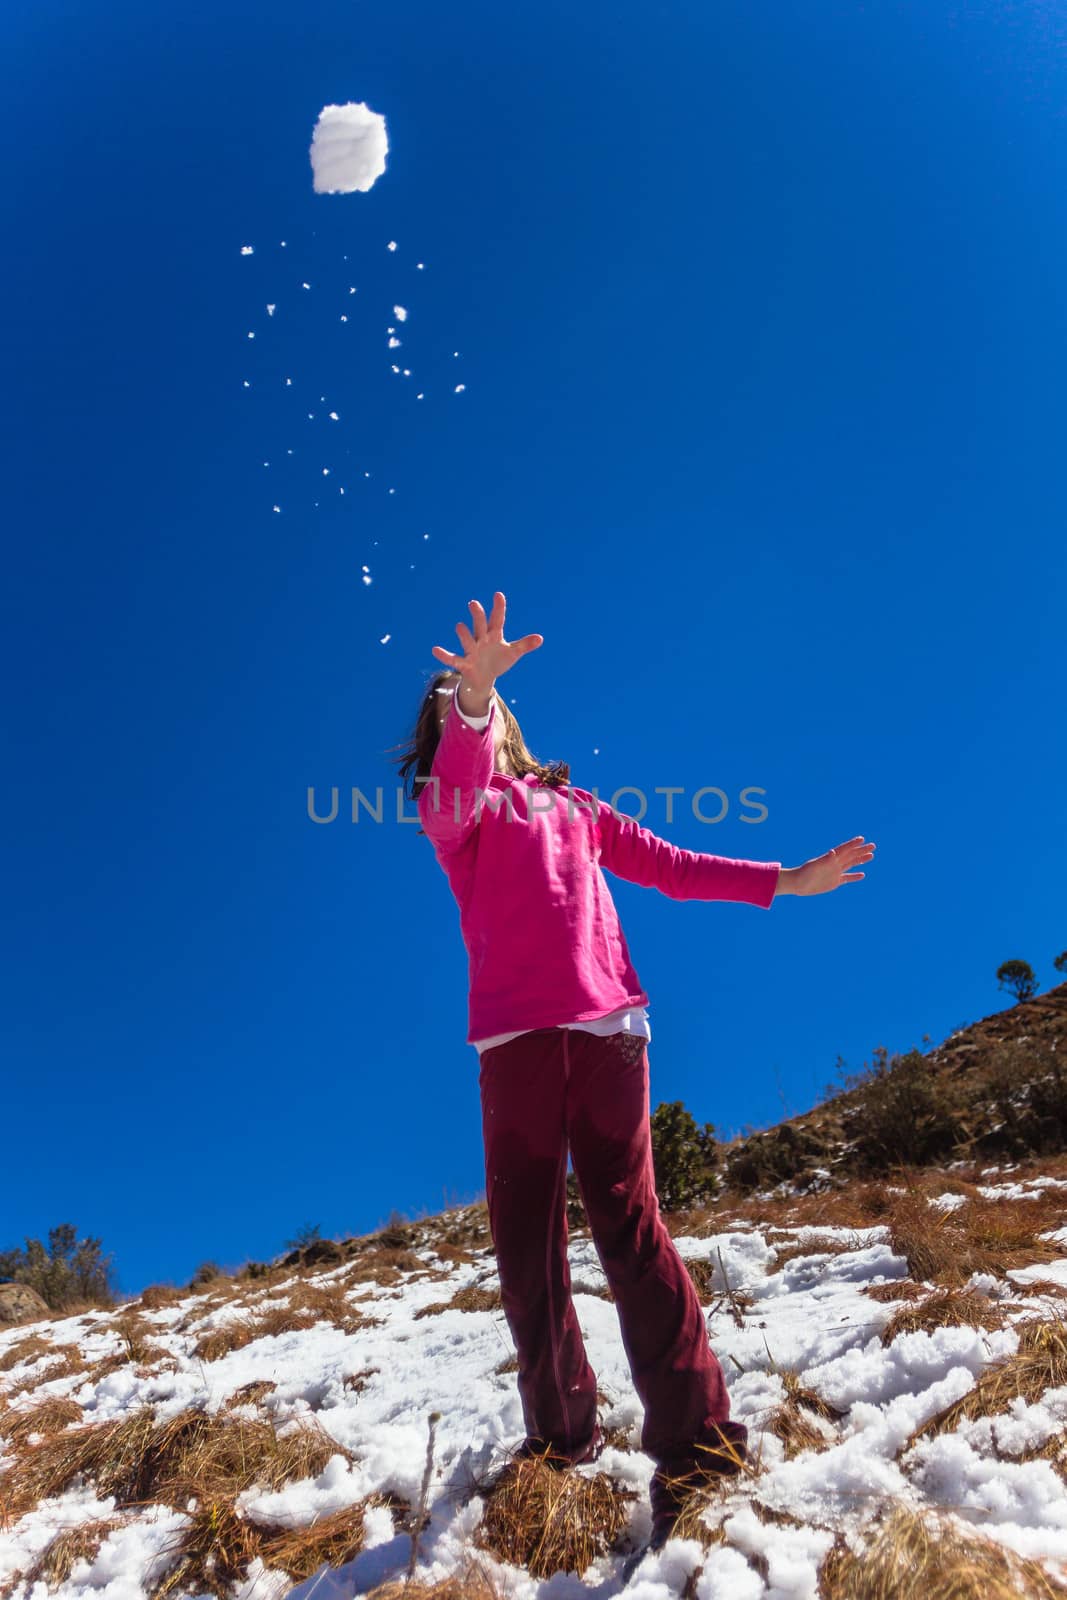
[(487, 653), (830, 871)]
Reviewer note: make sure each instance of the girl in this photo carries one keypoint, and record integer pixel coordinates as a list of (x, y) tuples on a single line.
[(557, 1015)]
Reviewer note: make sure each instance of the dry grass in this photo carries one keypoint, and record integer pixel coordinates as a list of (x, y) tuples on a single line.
[(549, 1521), (194, 1454), (249, 1393), (357, 1381), (945, 1247), (470, 1298), (291, 1316), (898, 1289), (472, 1583), (914, 1557), (159, 1295), (330, 1303), (388, 1267), (802, 1422), (1039, 1363), (56, 1561), (946, 1308), (68, 1360), (33, 1348), (49, 1416), (812, 1245)]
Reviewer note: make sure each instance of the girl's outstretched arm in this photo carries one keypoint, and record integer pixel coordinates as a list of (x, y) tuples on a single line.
[(828, 871), (641, 856)]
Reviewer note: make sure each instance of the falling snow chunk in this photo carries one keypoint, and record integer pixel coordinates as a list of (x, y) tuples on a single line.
[(367, 577), (396, 369), (400, 314), (366, 474), (342, 491), (455, 352), (334, 417), (276, 508), (246, 249), (266, 463), (288, 383), (391, 245), (391, 345), (351, 291), (385, 638), (348, 148), (251, 335), (326, 472), (392, 491), (390, 330), (459, 388), (343, 317), (305, 286), (247, 384), (426, 536), (271, 309), (283, 244), (596, 749), (288, 452), (420, 397), (311, 416)]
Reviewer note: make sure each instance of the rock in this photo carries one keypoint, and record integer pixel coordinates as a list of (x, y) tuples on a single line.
[(19, 1303)]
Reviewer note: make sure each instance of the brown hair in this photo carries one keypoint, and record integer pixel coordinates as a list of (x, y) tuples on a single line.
[(417, 753)]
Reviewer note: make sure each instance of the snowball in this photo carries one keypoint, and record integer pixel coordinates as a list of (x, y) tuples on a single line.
[(348, 149)]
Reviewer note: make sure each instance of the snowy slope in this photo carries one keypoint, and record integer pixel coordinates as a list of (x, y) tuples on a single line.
[(812, 1316)]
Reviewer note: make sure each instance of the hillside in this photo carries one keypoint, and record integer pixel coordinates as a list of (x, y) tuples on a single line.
[(994, 1090), (896, 1346)]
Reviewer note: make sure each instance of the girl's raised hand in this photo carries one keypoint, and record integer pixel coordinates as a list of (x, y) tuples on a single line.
[(486, 652)]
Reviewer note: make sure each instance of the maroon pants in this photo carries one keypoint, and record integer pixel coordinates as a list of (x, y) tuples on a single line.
[(542, 1092)]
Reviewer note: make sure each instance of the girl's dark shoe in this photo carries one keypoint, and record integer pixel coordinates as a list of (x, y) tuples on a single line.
[(674, 1486)]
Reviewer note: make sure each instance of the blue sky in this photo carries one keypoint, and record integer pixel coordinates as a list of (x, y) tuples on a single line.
[(760, 319)]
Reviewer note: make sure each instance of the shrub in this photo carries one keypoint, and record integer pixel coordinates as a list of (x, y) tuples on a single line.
[(1027, 1086), (70, 1272), (898, 1113), (684, 1157), (309, 1233)]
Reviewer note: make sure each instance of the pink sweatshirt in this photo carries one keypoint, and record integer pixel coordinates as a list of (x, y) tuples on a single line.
[(523, 860)]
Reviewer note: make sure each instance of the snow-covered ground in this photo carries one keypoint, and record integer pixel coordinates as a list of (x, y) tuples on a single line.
[(811, 1316)]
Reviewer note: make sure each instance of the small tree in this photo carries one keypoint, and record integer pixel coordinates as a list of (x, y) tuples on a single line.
[(683, 1157), (1060, 962), (71, 1271), (308, 1234), (1018, 976)]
